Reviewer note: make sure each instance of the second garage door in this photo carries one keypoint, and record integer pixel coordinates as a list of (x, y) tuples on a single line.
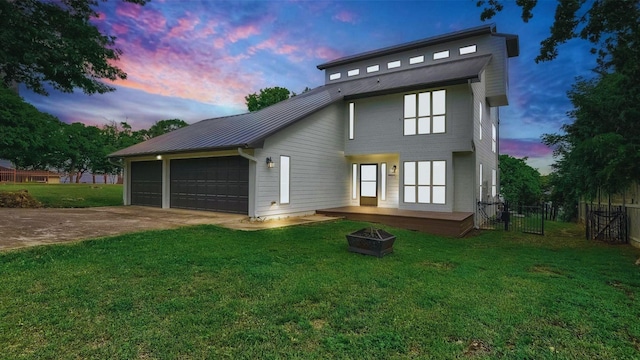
[(215, 184)]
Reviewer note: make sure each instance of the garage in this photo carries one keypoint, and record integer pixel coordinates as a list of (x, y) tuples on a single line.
[(146, 183), (214, 184)]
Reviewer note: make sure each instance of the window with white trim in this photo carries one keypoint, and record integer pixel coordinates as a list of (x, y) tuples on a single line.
[(480, 121), (493, 183), (383, 181), (373, 68), (493, 137), (441, 55), (468, 49), (424, 113), (285, 175), (425, 182), (352, 120), (335, 76), (354, 181)]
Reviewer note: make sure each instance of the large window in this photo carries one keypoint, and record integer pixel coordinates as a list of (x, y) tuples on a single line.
[(424, 113), (425, 182), (284, 179)]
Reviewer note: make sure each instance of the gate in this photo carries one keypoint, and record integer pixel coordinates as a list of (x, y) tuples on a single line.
[(499, 215), (607, 223)]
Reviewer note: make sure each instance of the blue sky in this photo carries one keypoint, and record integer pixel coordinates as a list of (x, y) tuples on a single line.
[(198, 59)]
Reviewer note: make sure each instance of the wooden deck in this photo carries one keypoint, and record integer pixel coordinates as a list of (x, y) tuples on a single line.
[(455, 224)]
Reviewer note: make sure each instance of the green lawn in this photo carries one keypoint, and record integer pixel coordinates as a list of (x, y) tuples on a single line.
[(71, 195), (209, 292)]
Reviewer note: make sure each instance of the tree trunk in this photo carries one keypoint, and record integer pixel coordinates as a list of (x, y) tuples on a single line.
[(93, 176)]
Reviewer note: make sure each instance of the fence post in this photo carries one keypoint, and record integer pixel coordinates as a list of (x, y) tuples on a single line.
[(586, 220), (506, 216), (544, 215)]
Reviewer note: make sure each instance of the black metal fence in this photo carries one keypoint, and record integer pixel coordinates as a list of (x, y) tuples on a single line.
[(501, 215), (607, 223)]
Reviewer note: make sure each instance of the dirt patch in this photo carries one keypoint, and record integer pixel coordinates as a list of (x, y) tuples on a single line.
[(18, 199), (30, 227)]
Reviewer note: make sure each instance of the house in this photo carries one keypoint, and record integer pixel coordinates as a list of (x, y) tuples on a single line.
[(8, 173), (409, 130)]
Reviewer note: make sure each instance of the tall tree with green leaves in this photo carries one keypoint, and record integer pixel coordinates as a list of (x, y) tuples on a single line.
[(519, 182), (29, 138), (55, 43), (164, 126), (266, 97), (599, 152)]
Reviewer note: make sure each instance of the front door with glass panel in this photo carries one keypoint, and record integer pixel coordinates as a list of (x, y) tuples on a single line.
[(369, 185)]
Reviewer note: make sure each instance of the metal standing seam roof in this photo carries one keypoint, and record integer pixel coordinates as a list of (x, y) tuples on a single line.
[(249, 130)]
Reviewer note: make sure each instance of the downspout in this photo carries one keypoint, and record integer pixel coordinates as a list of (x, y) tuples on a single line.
[(246, 156)]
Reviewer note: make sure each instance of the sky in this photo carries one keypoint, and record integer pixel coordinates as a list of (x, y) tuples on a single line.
[(195, 60)]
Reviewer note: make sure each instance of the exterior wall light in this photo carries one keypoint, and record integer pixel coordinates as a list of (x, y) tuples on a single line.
[(394, 169), (158, 157), (269, 162)]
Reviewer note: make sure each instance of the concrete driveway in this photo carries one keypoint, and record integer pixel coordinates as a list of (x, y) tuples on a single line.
[(30, 227)]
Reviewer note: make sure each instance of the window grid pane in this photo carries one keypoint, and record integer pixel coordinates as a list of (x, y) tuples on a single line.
[(352, 120), (424, 194), (439, 173), (409, 194), (410, 106), (424, 104), (439, 105), (410, 173), (424, 173)]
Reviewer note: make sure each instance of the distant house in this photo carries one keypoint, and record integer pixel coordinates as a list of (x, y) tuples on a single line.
[(8, 173), (408, 130)]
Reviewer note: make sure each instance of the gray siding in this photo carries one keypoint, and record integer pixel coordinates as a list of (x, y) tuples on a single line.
[(379, 130), (484, 46), (497, 81), (319, 169), (484, 154), (463, 165)]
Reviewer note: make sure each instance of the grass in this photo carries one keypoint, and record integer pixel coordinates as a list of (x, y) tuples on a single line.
[(209, 292), (71, 195)]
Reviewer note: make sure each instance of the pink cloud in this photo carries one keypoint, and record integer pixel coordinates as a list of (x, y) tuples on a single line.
[(325, 53), (198, 74), (520, 148), (120, 29), (243, 32), (274, 46), (151, 21), (346, 17), (185, 26)]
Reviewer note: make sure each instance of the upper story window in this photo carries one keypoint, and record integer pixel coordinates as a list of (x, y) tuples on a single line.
[(441, 55), (335, 76), (353, 72), (352, 120), (424, 113), (373, 68), (393, 64), (468, 49)]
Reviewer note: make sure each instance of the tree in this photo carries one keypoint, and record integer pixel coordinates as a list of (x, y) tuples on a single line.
[(610, 25), (267, 97), (519, 182), (84, 148), (29, 138), (55, 43), (163, 127)]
